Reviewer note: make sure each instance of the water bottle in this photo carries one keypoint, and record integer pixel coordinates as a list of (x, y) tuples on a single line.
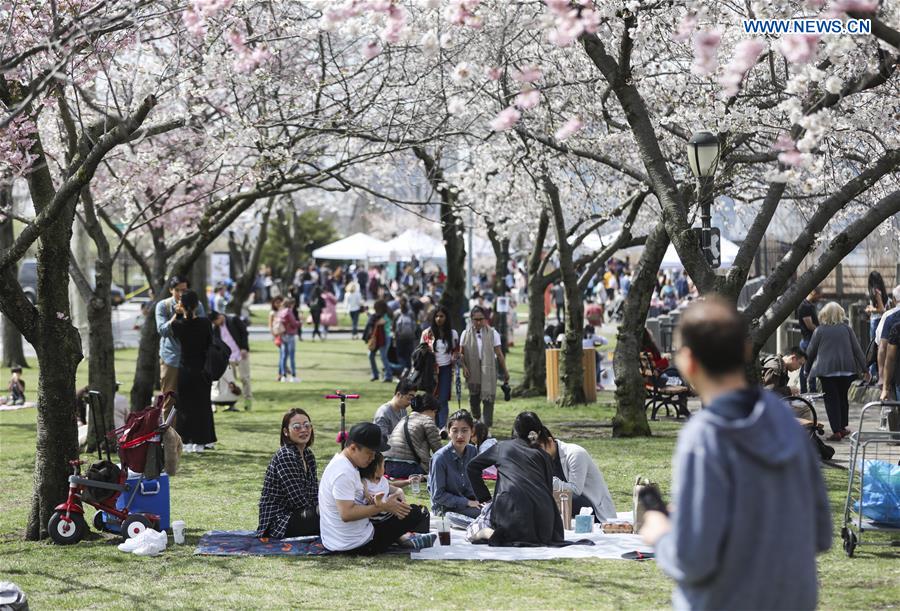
[(883, 425), (565, 508)]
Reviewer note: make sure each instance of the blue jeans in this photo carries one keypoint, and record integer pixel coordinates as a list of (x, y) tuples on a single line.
[(804, 371), (385, 363), (873, 326), (288, 354), (402, 470), (445, 383), (354, 318)]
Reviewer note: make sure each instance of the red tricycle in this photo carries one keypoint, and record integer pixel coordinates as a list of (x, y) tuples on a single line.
[(139, 442)]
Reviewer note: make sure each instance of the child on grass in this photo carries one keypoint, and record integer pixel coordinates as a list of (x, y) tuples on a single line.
[(16, 387), (376, 488)]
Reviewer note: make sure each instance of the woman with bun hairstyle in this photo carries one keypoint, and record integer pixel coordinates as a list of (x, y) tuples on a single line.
[(523, 512)]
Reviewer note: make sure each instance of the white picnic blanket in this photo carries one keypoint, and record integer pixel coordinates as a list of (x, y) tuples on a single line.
[(9, 408), (605, 546)]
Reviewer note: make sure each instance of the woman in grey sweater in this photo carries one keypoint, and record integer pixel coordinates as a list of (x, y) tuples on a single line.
[(837, 359)]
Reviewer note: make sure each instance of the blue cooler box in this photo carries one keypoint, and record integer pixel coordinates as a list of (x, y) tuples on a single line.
[(152, 496)]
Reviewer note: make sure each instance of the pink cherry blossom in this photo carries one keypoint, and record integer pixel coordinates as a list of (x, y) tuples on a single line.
[(745, 55), (371, 49), (789, 154), (493, 74), (569, 128), (856, 6), (706, 44), (686, 28), (528, 74), (799, 48), (507, 118), (528, 99)]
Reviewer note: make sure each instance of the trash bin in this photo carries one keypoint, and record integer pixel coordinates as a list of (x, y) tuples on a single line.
[(589, 364), (589, 383), (551, 356)]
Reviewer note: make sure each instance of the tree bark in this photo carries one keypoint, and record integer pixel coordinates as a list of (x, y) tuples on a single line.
[(571, 366), (535, 380), (631, 417), (454, 295), (244, 285), (101, 346)]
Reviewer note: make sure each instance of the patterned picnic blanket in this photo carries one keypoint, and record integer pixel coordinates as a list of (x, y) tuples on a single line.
[(245, 543)]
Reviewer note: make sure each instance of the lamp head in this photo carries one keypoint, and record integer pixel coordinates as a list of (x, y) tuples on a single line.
[(703, 154)]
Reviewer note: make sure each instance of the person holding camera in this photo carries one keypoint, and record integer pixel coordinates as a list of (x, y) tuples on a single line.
[(750, 506), (481, 357)]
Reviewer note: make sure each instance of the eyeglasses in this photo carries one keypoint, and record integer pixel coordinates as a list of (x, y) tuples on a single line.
[(304, 426)]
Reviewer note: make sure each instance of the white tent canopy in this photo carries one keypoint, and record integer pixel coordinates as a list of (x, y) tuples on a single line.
[(729, 252), (411, 243), (358, 246)]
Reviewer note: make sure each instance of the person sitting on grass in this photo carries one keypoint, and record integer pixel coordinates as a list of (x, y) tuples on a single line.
[(448, 481), (16, 387), (290, 494), (777, 368), (414, 439), (376, 486), (523, 512), (391, 413), (344, 523), (574, 470)]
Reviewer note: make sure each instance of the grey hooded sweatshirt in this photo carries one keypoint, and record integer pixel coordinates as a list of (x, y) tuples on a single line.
[(751, 510)]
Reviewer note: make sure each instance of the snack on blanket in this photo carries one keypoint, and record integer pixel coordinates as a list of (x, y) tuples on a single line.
[(617, 528)]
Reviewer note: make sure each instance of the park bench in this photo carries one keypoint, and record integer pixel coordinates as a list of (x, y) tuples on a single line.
[(661, 394)]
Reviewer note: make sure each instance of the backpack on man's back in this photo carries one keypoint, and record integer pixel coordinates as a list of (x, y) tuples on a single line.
[(405, 327)]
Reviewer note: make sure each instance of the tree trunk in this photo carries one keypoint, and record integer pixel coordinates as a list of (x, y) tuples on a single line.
[(454, 295), (452, 229), (631, 417), (13, 350), (58, 348), (146, 369), (244, 285), (535, 381), (571, 366), (101, 360)]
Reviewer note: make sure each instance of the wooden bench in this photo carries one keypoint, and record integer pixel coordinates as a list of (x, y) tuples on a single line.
[(660, 394)]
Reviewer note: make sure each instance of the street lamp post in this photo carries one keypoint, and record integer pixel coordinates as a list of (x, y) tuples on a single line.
[(703, 156)]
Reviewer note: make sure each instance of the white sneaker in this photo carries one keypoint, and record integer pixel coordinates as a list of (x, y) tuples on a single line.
[(188, 448), (210, 446), (294, 380), (129, 545), (148, 548), (198, 448)]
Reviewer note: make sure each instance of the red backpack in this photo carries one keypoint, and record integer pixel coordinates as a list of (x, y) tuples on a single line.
[(141, 430)]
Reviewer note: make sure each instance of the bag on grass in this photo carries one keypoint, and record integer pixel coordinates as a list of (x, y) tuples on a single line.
[(881, 492)]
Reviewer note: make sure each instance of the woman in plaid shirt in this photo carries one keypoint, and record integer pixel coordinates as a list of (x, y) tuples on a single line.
[(288, 506)]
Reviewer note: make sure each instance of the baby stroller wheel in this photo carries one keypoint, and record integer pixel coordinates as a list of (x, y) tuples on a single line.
[(66, 532), (135, 524), (99, 524), (850, 542)]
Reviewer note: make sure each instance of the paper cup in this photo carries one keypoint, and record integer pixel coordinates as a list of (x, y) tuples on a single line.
[(178, 531)]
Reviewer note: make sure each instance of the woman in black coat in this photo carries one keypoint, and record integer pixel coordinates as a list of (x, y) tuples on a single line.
[(523, 512), (194, 418)]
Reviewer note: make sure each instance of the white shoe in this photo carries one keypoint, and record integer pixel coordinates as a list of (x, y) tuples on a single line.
[(188, 448), (198, 448), (148, 548), (210, 446), (294, 380), (129, 545)]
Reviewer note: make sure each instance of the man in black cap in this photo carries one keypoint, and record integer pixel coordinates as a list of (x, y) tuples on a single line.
[(343, 514)]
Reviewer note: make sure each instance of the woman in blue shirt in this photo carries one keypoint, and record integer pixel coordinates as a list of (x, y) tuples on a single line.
[(448, 481)]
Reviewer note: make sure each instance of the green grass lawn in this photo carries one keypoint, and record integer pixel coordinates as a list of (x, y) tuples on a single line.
[(220, 490)]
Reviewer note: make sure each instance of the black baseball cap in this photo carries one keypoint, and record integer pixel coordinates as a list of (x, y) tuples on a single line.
[(367, 435)]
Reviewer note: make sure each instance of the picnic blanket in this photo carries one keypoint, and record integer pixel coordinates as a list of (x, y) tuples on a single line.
[(605, 546), (9, 408), (245, 543)]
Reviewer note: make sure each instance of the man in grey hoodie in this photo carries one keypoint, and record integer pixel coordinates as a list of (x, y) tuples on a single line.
[(750, 507)]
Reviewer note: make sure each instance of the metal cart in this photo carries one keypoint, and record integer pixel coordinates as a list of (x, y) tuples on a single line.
[(877, 438)]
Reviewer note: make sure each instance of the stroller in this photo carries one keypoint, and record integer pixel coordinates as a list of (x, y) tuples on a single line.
[(139, 444)]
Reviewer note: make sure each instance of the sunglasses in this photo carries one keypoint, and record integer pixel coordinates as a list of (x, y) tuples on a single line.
[(305, 426)]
